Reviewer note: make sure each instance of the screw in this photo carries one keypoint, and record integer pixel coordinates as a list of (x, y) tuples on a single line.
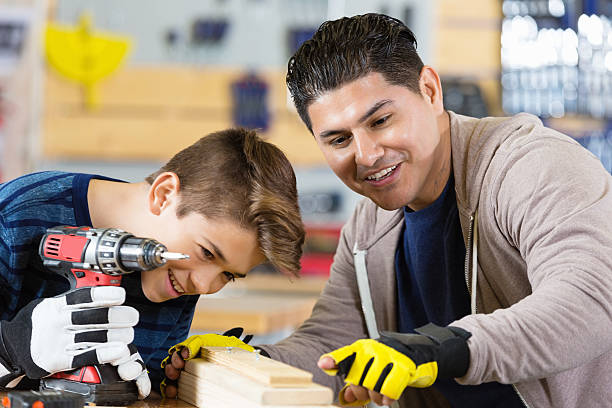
[(228, 349)]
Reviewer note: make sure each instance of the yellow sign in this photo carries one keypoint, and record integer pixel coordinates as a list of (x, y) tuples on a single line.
[(84, 56)]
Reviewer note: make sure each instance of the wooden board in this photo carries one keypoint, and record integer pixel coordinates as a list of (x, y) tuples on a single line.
[(198, 374), (214, 396), (259, 368)]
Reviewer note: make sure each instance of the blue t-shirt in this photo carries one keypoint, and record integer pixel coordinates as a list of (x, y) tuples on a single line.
[(431, 287), (28, 206)]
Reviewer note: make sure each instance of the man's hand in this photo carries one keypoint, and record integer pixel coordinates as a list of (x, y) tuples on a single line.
[(354, 395), (190, 348), (394, 361), (83, 327)]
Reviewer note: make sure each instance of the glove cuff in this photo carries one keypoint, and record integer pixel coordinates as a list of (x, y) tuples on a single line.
[(453, 353)]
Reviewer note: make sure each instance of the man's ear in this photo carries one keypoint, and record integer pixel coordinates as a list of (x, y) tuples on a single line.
[(431, 88), (163, 192)]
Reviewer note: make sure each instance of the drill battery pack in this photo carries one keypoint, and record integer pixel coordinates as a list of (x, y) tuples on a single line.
[(42, 399)]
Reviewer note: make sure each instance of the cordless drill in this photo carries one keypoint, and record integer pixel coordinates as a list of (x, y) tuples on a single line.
[(90, 257)]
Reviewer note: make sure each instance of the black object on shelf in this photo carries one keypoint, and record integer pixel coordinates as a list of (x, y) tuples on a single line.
[(208, 31), (298, 35), (464, 97), (250, 102)]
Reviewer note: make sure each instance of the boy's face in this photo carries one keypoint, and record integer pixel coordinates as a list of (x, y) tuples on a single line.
[(219, 251), (383, 141)]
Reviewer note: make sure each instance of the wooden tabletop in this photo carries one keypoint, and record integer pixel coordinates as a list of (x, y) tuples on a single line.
[(256, 314), (261, 304)]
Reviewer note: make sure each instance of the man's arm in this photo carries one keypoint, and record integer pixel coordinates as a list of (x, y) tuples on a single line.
[(336, 319), (553, 202)]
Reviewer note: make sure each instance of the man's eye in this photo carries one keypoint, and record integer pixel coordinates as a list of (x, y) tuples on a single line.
[(230, 276), (207, 254), (339, 141), (380, 121)]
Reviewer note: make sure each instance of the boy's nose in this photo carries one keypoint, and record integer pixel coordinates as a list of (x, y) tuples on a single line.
[(204, 280)]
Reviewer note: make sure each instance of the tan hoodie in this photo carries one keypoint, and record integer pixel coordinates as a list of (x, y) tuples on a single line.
[(543, 299)]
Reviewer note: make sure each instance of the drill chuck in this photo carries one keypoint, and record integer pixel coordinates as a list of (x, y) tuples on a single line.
[(141, 254)]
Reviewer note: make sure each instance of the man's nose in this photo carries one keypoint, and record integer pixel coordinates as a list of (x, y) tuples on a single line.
[(367, 149)]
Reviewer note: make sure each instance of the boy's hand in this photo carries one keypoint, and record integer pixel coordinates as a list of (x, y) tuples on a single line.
[(83, 327), (394, 361), (190, 348)]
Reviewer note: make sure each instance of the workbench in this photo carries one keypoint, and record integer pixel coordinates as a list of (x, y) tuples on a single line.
[(261, 305)]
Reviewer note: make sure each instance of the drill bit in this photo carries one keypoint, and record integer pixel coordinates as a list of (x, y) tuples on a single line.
[(174, 256)]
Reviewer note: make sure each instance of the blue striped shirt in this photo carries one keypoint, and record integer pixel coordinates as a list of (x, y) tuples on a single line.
[(32, 203)]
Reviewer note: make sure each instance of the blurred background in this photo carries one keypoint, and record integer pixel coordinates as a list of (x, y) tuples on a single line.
[(116, 87)]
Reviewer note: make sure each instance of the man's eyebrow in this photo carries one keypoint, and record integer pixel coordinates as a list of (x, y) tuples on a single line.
[(373, 109), (363, 118)]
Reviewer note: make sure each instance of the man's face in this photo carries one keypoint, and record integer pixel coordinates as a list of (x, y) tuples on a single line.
[(383, 141), (219, 252)]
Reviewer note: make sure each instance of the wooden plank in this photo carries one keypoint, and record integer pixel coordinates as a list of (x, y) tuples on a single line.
[(198, 373), (259, 368), (210, 395)]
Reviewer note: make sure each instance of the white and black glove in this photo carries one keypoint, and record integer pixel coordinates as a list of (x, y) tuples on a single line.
[(83, 327)]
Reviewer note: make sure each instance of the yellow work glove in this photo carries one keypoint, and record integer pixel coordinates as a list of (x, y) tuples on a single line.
[(194, 343), (395, 361)]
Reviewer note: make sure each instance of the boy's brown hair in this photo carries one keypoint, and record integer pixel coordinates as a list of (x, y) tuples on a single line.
[(233, 174)]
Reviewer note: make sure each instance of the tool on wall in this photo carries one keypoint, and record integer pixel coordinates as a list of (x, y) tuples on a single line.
[(84, 56)]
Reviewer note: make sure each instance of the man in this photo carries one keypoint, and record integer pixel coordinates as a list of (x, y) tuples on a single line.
[(497, 230), (229, 201)]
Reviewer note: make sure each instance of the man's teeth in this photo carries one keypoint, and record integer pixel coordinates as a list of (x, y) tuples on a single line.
[(175, 284), (381, 174)]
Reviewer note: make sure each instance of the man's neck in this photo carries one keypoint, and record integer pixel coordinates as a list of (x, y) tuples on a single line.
[(115, 204), (442, 166)]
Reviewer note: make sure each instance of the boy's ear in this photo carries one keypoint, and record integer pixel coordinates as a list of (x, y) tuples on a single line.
[(163, 192)]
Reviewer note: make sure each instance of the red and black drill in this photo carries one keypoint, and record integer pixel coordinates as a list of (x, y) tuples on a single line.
[(98, 257)]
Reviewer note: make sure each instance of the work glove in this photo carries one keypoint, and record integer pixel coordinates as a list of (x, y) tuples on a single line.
[(83, 327), (395, 361), (193, 344)]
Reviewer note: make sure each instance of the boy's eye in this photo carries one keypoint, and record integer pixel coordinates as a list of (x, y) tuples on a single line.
[(230, 276), (207, 254)]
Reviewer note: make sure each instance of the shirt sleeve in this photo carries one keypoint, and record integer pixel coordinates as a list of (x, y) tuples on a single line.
[(176, 335)]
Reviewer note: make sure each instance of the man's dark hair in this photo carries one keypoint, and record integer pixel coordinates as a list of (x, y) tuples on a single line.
[(347, 49)]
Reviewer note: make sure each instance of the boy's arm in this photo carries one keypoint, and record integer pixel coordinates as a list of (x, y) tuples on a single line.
[(178, 334)]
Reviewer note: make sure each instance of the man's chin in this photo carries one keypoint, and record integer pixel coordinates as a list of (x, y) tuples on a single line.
[(389, 205)]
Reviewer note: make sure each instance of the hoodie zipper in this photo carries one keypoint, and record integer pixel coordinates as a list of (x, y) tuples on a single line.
[(468, 258)]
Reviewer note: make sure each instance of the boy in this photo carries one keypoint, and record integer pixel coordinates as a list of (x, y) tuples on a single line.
[(229, 201)]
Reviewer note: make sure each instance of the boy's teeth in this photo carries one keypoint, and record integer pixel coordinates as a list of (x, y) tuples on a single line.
[(175, 284), (382, 173)]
